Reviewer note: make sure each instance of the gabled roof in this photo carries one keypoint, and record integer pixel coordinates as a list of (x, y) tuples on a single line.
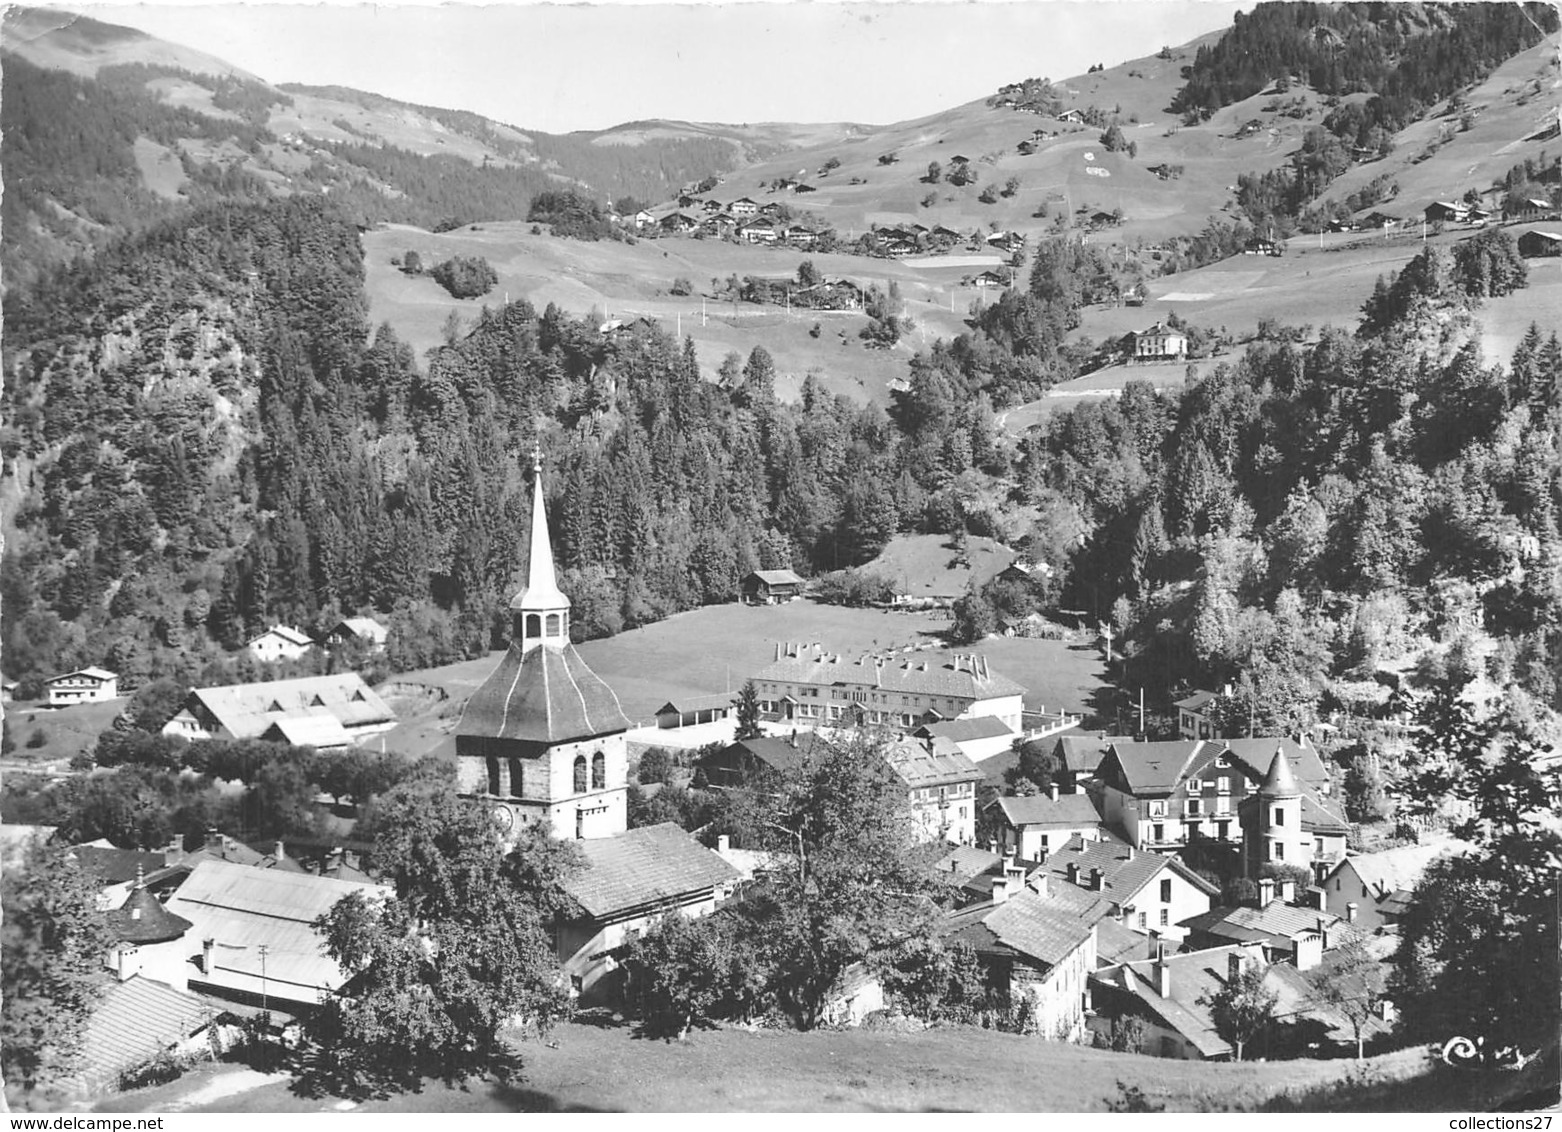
[(920, 768), (247, 710), (1155, 768), (289, 634), (365, 627), (777, 577), (1027, 924), (116, 866), (1196, 701), (1277, 919), (1066, 811), (963, 862), (1394, 869), (698, 703), (1194, 975), (1116, 942), (546, 695), (132, 1022), (1124, 870), (310, 731), (91, 672), (778, 754), (965, 730), (1256, 756), (1082, 754), (642, 867)]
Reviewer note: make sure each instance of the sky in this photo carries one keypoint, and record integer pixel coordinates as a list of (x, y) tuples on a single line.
[(558, 67)]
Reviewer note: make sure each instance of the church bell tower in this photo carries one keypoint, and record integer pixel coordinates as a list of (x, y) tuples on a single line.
[(542, 741)]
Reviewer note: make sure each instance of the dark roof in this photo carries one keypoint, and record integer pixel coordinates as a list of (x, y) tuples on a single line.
[(644, 866), (776, 577), (778, 754), (965, 730), (1196, 701), (1082, 754), (1156, 767), (1256, 756), (1124, 869), (141, 919), (116, 866), (1276, 920), (1279, 781), (546, 695), (1069, 810)]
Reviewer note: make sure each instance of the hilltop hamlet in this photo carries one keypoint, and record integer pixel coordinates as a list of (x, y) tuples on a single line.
[(1064, 589)]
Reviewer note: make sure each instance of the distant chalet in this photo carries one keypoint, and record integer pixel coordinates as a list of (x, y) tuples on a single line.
[(316, 711), (767, 587), (813, 687), (85, 685)]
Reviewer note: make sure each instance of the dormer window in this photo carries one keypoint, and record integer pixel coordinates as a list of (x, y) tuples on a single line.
[(1195, 785)]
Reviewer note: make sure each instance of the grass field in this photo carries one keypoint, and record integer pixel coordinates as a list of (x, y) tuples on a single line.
[(606, 1068), (922, 565), (65, 732), (716, 648)]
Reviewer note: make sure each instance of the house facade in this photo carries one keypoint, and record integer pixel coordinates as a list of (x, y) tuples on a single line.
[(1148, 892), (1193, 716), (1374, 890), (84, 686), (941, 784), (542, 740), (811, 687), (978, 739), (1533, 245), (770, 587), (1160, 342), (280, 642), (1036, 826)]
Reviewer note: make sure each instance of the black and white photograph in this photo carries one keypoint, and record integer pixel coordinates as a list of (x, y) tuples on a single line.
[(780, 557)]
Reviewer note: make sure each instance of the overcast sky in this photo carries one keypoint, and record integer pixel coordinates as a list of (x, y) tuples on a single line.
[(557, 68)]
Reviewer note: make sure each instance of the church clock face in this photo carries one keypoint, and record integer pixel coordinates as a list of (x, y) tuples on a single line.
[(503, 818)]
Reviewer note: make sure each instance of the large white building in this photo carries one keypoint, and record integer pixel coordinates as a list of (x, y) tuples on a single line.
[(318, 711), (814, 688), (85, 685)]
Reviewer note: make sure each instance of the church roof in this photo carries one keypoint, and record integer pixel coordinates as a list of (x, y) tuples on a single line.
[(546, 695), (542, 586)]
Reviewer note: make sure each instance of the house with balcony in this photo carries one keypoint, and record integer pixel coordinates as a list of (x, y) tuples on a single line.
[(83, 686), (941, 785)]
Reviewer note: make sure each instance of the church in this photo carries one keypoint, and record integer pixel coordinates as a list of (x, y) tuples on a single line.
[(543, 739)]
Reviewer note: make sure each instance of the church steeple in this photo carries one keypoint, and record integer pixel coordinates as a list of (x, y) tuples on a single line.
[(540, 613)]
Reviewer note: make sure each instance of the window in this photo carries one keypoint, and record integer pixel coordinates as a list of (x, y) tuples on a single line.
[(1144, 920), (1044, 843), (1277, 851), (1165, 917), (580, 774), (1166, 891), (1223, 784), (553, 624), (1223, 761), (1195, 785), (598, 771), (1158, 809), (1222, 805), (533, 626), (1158, 833), (1279, 816), (517, 779), (493, 775), (1195, 807)]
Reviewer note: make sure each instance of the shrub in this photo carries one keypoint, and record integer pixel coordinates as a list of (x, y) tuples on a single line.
[(37, 739), (465, 277), (682, 286)]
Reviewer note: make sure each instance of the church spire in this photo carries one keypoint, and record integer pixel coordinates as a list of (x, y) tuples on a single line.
[(541, 612)]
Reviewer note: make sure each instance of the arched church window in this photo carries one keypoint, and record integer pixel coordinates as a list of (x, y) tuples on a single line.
[(553, 624), (533, 626), (598, 771), (493, 775), (580, 774)]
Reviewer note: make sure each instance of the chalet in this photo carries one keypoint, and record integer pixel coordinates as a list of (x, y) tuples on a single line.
[(834, 295), (1072, 117), (770, 587), (359, 630), (1160, 342), (1477, 215), (1032, 827), (1010, 242), (724, 224), (280, 642), (253, 938), (628, 883), (1103, 219), (807, 685), (749, 761), (1025, 148), (799, 236), (84, 686), (1533, 245), (761, 231), (770, 209), (1344, 226), (1193, 720), (1032, 944), (1172, 994), (1529, 208), (990, 279), (644, 219), (978, 739), (743, 206), (677, 223), (1380, 220), (248, 711), (690, 711), (940, 232), (1041, 133), (802, 188), (959, 159), (1374, 890), (1148, 891), (941, 785), (711, 207), (898, 245), (1446, 212), (1261, 245)]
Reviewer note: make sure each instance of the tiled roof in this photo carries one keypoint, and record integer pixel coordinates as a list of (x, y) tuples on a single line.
[(1275, 919), (1124, 869), (780, 754), (965, 730), (775, 577), (1027, 923), (1195, 701), (247, 710), (919, 768), (1064, 811), (963, 862), (1320, 816), (116, 866), (1255, 755), (141, 919), (91, 671), (644, 866), (1156, 767), (1081, 754), (546, 695), (1394, 869), (922, 673), (132, 1023), (1118, 943)]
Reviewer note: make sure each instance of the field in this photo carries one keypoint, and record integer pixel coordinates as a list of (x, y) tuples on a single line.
[(716, 648), (65, 732), (604, 1067), (922, 565)]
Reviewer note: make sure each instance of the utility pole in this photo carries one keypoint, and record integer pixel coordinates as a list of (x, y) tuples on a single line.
[(264, 948)]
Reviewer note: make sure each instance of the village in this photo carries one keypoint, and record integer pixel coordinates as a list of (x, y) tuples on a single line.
[(1123, 898)]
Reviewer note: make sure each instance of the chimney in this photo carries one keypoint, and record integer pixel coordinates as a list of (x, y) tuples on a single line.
[(207, 945), (173, 850), (1073, 872), (1130, 853), (1323, 932), (1350, 912), (1000, 890), (1038, 884), (723, 844), (1288, 891), (1162, 977), (213, 839), (1096, 877), (1234, 964), (1266, 891), (1052, 789), (279, 851)]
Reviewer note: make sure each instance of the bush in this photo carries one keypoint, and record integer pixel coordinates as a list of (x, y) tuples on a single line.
[(465, 277), (37, 739), (682, 286)]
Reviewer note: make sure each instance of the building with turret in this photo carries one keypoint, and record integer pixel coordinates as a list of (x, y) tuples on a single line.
[(543, 739), (1272, 832)]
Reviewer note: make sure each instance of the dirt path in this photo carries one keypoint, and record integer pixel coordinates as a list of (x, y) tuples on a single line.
[(224, 1085)]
